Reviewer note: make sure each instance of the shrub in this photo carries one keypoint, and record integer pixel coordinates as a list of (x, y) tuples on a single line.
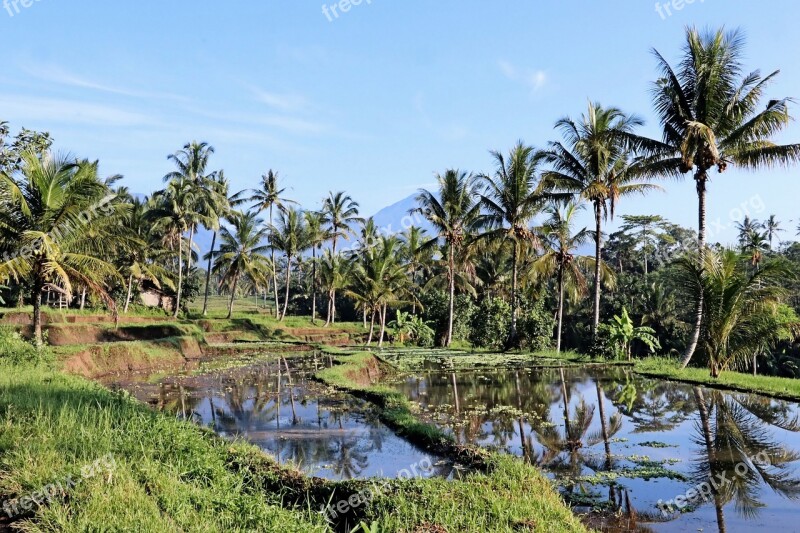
[(490, 322), (436, 313), (16, 349), (536, 325)]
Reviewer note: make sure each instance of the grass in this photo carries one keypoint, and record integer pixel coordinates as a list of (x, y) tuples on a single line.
[(784, 388), (168, 476), (501, 493)]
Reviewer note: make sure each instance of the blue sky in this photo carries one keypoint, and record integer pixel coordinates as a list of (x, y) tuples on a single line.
[(375, 101)]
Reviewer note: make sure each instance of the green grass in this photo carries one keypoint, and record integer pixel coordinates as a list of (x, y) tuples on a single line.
[(169, 476), (785, 388), (501, 493)]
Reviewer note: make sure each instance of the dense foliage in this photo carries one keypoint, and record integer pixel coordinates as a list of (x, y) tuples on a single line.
[(502, 265)]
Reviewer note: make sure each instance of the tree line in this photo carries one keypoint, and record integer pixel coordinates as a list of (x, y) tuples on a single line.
[(500, 268)]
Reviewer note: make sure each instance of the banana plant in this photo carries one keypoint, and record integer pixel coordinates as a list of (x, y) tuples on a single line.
[(622, 332)]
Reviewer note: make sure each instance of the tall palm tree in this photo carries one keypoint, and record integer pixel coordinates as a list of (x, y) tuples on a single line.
[(595, 163), (340, 212), (454, 212), (773, 227), (192, 164), (513, 196), (561, 242), (242, 253), (221, 204), (172, 211), (418, 253), (712, 115), (291, 237), (268, 197), (317, 236), (379, 281), (43, 217), (334, 273)]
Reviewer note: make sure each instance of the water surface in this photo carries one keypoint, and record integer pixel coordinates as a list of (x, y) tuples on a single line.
[(275, 405), (615, 441)]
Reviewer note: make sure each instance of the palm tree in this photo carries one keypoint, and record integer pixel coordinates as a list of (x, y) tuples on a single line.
[(141, 250), (268, 197), (339, 211), (513, 196), (418, 254), (773, 227), (560, 242), (242, 253), (595, 164), (46, 210), (317, 236), (454, 212), (334, 272), (379, 281), (735, 305), (192, 162), (291, 237), (712, 115), (221, 204), (756, 246), (171, 211)]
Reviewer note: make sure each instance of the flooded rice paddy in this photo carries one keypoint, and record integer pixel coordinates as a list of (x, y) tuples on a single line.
[(661, 456), (275, 405)]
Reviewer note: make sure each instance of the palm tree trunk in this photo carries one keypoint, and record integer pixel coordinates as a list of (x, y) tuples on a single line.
[(37, 311), (452, 274), (83, 298), (333, 292), (314, 285), (189, 252), (371, 328), (328, 315), (233, 296), (274, 271), (701, 180), (128, 297), (208, 274), (560, 306), (512, 334), (288, 282), (180, 278), (598, 251), (383, 326)]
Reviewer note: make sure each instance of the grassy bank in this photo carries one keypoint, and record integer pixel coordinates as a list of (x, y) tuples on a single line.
[(501, 494), (784, 388), (166, 475)]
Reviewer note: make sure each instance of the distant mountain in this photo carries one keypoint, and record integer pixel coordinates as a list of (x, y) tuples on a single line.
[(396, 217)]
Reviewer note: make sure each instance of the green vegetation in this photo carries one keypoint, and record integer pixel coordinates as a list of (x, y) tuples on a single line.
[(501, 494)]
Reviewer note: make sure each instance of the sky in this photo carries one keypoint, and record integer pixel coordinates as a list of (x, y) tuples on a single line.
[(374, 100)]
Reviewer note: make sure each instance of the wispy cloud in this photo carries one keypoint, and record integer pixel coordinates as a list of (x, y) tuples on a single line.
[(59, 75), (27, 108), (534, 79), (282, 102)]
